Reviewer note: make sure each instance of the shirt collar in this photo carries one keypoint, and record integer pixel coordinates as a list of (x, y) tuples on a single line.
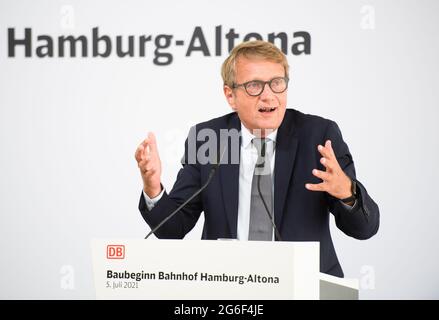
[(247, 136)]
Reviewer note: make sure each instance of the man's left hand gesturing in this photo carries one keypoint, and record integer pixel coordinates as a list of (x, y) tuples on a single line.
[(335, 181)]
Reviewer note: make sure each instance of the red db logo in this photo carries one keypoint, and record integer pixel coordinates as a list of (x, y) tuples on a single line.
[(115, 251)]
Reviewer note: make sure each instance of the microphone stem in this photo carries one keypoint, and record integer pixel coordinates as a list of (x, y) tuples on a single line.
[(212, 172)]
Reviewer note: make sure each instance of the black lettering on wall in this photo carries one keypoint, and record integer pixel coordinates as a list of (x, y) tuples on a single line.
[(282, 36), (198, 35), (218, 34), (252, 36), (99, 40), (142, 42), (119, 47), (162, 45), (45, 49), (13, 42), (72, 43), (231, 36), (158, 48), (304, 46)]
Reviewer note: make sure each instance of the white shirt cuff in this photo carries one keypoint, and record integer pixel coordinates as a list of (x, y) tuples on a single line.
[(150, 203)]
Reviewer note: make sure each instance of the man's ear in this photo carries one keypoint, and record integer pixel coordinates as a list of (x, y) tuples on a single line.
[(230, 96)]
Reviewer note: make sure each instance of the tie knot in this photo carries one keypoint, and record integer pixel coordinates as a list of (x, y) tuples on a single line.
[(261, 146)]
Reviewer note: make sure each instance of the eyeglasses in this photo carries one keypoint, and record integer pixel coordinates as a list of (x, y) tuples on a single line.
[(256, 87)]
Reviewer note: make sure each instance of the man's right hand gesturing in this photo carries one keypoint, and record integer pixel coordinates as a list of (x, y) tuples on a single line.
[(148, 160)]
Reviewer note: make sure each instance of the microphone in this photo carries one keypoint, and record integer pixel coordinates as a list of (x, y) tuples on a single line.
[(270, 216), (209, 178)]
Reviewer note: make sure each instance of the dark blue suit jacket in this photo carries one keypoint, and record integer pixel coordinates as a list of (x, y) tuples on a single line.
[(300, 214)]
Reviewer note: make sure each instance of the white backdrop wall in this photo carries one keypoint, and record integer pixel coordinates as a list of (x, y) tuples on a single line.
[(69, 127)]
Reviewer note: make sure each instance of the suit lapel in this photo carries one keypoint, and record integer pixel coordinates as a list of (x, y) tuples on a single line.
[(286, 149), (229, 175)]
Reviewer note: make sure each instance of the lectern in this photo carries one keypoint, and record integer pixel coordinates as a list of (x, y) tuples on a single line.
[(213, 270)]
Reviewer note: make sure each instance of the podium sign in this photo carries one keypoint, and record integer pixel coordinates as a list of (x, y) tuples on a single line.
[(205, 269)]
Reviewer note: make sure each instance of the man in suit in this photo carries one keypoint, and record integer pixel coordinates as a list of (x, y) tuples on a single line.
[(305, 168)]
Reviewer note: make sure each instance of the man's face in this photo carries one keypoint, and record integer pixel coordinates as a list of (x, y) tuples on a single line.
[(252, 110)]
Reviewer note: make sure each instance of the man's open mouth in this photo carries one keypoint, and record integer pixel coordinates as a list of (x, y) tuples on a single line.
[(266, 109)]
